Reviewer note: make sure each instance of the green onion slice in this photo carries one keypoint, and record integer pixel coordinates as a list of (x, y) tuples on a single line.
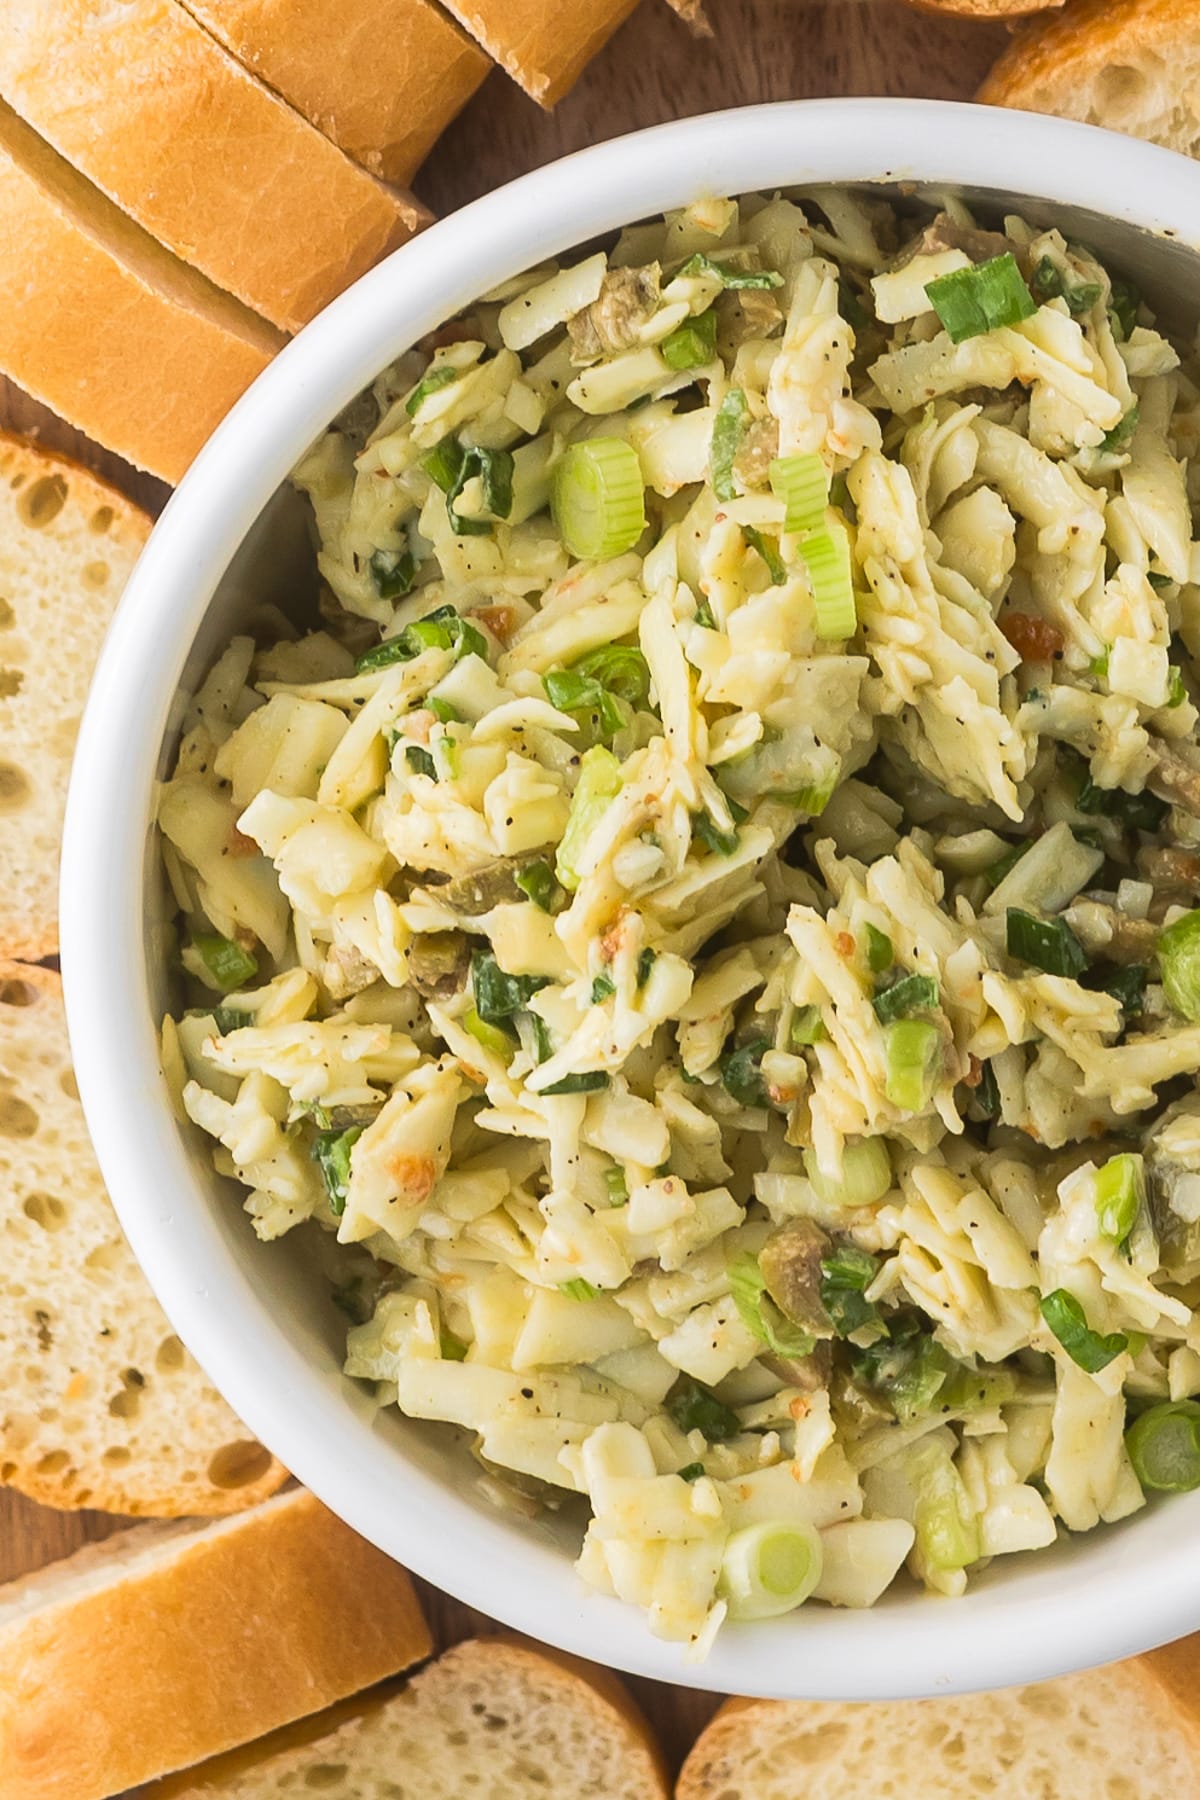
[(598, 785), (539, 884), (495, 471), (598, 498), (982, 298), (1119, 1188), (846, 1273), (866, 1174), (730, 276), (331, 1153), (1047, 944), (1164, 1447), (1068, 1321), (420, 761), (826, 555), (913, 1053), (432, 383), (741, 1073), (733, 416), (618, 1187), (880, 952), (1140, 812), (227, 963), (441, 629), (802, 483), (1179, 965), (808, 1028), (620, 668), (590, 1081), (392, 573), (490, 1037), (690, 1471), (602, 989), (692, 344), (696, 1408), (911, 994), (769, 1568), (499, 995)]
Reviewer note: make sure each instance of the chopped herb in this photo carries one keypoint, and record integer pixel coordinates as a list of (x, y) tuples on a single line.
[(392, 573), (1049, 282), (602, 988), (722, 843), (1047, 944), (846, 1274), (590, 1082), (420, 761), (498, 995), (1068, 1321), (741, 1073), (539, 882), (572, 692), (911, 994), (728, 275), (690, 1471), (331, 1152), (443, 463), (733, 415), (225, 1020), (696, 1408), (443, 711), (441, 629), (541, 1035), (768, 550)]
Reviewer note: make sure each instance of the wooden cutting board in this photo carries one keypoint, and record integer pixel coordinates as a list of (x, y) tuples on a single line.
[(651, 71)]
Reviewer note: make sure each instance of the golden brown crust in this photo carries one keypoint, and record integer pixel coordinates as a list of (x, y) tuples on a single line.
[(147, 105), (267, 1619), (987, 9), (1052, 60), (381, 78), (173, 354), (544, 44)]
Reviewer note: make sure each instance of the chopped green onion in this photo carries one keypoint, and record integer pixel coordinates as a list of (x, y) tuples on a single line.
[(621, 669), (579, 1289), (602, 988), (1179, 964), (802, 483), (443, 711), (846, 1274), (1140, 812), (766, 548), (704, 615), (331, 1153), (452, 1349), (420, 761), (539, 883), (730, 276), (1176, 687), (618, 1187), (1158, 580), (225, 1020), (759, 1313), (986, 1097), (866, 1174), (1047, 944), (769, 1568), (690, 1471), (645, 962), (1068, 1321), (598, 785), (1123, 303), (947, 1529), (911, 994), (880, 951), (493, 1038), (541, 1035), (741, 1073), (1119, 1188), (572, 692), (1049, 282), (691, 344), (589, 1082), (227, 963), (1164, 1447), (432, 383), (733, 415), (982, 298), (1004, 865), (1126, 982), (808, 1028), (441, 629), (444, 462), (1117, 440), (495, 471), (498, 995), (811, 800), (919, 1383), (598, 498), (826, 555), (913, 1053), (695, 1408), (392, 573), (722, 843)]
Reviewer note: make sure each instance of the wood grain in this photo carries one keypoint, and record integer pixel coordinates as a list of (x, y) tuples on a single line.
[(652, 70)]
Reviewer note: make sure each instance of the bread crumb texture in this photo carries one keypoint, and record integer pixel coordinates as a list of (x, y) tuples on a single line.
[(100, 1404), (1098, 1736), (1130, 65), (67, 545)]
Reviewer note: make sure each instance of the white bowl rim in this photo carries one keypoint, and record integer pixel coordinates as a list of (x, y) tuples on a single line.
[(1035, 1623)]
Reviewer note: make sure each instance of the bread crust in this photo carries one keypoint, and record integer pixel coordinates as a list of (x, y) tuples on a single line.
[(986, 9), (149, 107), (544, 44), (1053, 59), (29, 923), (381, 78), (173, 354), (265, 1619)]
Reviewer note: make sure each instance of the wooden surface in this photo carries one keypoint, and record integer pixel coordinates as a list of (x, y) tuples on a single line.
[(651, 71)]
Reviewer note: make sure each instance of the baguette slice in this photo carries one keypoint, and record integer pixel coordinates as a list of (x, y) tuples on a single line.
[(169, 1643), (381, 78), (1133, 65), (1112, 1734), (492, 1718), (159, 116), (67, 544), (544, 44), (986, 9), (100, 1404), (102, 324)]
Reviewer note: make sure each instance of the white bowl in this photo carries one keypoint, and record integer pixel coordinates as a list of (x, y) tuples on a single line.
[(257, 1316)]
